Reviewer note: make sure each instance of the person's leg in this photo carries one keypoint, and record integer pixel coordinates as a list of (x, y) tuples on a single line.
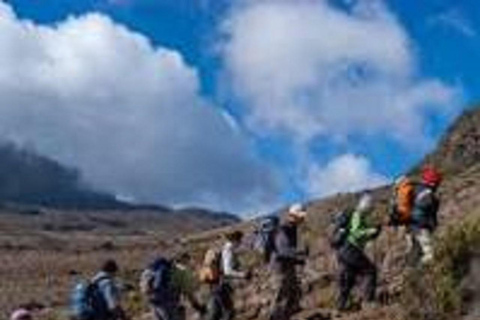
[(425, 241), (294, 295), (181, 313), (277, 311), (361, 264), (416, 251), (346, 283), (214, 308), (409, 239), (159, 313), (228, 306), (369, 270)]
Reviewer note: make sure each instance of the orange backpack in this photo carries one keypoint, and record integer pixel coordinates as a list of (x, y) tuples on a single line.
[(210, 270), (403, 201)]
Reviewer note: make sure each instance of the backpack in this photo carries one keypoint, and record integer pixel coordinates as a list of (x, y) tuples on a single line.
[(341, 224), (265, 242), (210, 271), (156, 280), (402, 202), (87, 302)]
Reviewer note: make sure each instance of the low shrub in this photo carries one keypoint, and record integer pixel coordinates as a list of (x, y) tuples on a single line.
[(437, 291)]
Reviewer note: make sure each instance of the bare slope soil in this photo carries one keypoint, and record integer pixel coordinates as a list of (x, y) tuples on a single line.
[(38, 249), (461, 196), (457, 156), (35, 264)]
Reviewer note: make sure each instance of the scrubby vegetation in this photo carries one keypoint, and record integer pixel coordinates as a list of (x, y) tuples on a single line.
[(448, 289), (38, 250)]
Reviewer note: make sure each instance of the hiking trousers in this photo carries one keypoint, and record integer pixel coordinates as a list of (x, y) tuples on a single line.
[(420, 241), (169, 312), (288, 293), (354, 263), (220, 305)]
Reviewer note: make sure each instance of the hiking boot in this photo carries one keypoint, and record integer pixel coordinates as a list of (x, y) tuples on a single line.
[(370, 305)]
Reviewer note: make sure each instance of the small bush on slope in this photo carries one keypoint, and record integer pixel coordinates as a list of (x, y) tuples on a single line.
[(444, 289)]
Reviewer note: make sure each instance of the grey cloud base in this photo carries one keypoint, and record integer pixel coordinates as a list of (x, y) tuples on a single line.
[(92, 94)]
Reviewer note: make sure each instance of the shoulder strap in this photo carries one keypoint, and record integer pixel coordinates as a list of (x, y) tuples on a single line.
[(423, 193), (98, 280)]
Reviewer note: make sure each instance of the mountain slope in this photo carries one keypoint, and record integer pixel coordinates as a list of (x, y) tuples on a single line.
[(29, 178), (457, 155), (57, 251), (459, 148)]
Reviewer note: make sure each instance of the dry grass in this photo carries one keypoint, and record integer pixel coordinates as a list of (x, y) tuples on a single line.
[(34, 263), (35, 260)]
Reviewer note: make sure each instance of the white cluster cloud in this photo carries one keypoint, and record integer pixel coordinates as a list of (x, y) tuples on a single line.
[(346, 173), (310, 70), (93, 94)]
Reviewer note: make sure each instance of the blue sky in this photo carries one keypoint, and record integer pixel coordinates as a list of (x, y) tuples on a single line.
[(316, 97)]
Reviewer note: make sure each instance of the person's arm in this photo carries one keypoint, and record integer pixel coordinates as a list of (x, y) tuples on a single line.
[(435, 212), (358, 228), (228, 263), (285, 251)]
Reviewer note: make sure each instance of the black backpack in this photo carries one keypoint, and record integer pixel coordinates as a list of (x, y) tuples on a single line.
[(159, 280), (341, 225), (265, 242)]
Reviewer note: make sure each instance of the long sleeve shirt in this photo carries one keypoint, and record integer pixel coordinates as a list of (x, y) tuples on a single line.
[(287, 255), (360, 230), (230, 262), (425, 208)]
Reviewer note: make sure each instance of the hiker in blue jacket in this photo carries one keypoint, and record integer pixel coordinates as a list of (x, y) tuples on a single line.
[(110, 291)]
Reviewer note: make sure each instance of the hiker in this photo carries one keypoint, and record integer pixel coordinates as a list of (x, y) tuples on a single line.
[(98, 299), (285, 259), (221, 305), (351, 256), (424, 219), (110, 290), (165, 282)]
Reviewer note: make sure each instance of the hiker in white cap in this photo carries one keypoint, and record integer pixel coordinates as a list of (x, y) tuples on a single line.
[(286, 258)]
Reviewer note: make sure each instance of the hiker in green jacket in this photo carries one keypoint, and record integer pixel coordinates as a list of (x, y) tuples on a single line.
[(352, 258)]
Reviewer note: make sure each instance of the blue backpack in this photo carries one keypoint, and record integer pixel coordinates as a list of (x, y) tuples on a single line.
[(87, 302), (266, 232), (160, 280)]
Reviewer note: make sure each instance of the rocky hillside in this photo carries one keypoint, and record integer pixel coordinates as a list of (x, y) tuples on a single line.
[(51, 223), (459, 148), (458, 156), (450, 289), (40, 246)]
